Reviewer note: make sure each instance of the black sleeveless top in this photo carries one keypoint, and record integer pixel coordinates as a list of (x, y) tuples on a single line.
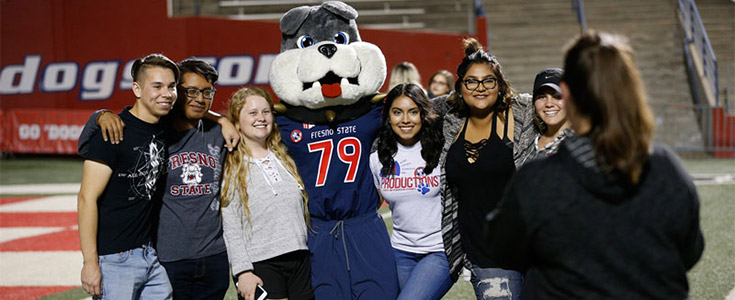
[(479, 185)]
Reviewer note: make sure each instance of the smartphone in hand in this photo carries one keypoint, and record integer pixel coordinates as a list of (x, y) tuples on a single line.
[(260, 293)]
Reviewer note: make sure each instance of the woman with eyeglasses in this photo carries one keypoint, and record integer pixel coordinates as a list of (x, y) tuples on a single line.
[(440, 84), (481, 129)]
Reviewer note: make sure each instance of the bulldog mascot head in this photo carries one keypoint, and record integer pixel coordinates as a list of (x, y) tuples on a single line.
[(325, 72)]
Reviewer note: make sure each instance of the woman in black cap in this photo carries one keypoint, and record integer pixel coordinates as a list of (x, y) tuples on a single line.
[(550, 118)]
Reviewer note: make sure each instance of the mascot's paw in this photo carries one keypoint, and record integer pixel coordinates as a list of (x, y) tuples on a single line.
[(323, 63)]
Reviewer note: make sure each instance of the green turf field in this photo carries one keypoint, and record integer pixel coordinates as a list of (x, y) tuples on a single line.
[(714, 276), (44, 169), (711, 278)]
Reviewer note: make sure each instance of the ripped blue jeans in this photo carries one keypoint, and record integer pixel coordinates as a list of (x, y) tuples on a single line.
[(496, 283)]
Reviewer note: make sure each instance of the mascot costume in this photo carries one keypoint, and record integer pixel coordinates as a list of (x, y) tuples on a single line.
[(326, 79)]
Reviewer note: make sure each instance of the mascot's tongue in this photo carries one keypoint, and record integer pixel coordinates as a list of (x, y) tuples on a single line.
[(331, 90)]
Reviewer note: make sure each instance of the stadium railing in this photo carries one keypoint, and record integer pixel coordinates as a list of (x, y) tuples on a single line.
[(696, 33), (578, 6)]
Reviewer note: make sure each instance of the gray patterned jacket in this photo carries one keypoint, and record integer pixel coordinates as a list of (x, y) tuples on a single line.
[(531, 153), (523, 134)]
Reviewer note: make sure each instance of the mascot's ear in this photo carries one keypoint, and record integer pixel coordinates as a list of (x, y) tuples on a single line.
[(292, 19), (341, 9)]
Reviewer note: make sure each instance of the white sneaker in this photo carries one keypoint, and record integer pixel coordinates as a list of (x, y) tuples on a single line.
[(466, 274)]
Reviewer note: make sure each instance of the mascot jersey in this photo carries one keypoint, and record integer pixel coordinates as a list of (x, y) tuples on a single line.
[(333, 162), (351, 253)]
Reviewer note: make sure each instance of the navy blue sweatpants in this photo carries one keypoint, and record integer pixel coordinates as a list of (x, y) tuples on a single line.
[(352, 259)]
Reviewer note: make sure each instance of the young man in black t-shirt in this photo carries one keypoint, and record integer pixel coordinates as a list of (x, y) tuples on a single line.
[(115, 200)]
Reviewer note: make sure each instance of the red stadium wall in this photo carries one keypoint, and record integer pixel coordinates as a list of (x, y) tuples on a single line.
[(723, 133), (60, 60)]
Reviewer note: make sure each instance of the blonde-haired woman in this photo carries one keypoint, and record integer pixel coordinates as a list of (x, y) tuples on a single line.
[(264, 205), (404, 72)]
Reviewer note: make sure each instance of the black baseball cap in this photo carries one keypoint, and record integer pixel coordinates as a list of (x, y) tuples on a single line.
[(548, 77)]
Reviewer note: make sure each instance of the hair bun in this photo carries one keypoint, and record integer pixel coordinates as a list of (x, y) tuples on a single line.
[(471, 45)]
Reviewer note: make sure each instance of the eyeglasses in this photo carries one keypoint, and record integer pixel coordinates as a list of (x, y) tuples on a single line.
[(193, 92), (474, 84)]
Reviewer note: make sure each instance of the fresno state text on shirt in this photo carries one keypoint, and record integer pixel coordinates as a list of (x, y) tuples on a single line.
[(191, 164), (329, 131)]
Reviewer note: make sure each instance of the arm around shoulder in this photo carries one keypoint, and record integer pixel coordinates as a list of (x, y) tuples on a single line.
[(232, 137), (111, 125), (105, 122)]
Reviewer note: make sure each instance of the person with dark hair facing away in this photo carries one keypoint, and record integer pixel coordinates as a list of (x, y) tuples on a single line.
[(613, 215), (482, 131), (440, 83), (190, 239), (115, 203), (550, 118), (406, 172)]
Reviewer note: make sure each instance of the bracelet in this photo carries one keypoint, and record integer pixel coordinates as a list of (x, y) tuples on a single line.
[(101, 112)]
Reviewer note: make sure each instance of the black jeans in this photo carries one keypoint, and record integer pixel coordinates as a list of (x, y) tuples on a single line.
[(201, 278)]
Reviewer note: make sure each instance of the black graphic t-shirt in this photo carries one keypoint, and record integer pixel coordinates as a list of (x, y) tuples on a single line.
[(126, 207)]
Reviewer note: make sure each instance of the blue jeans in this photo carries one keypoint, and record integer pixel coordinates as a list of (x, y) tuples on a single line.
[(134, 274), (422, 276), (199, 278), (496, 283)]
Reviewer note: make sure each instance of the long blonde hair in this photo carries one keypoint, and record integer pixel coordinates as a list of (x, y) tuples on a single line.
[(236, 170)]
